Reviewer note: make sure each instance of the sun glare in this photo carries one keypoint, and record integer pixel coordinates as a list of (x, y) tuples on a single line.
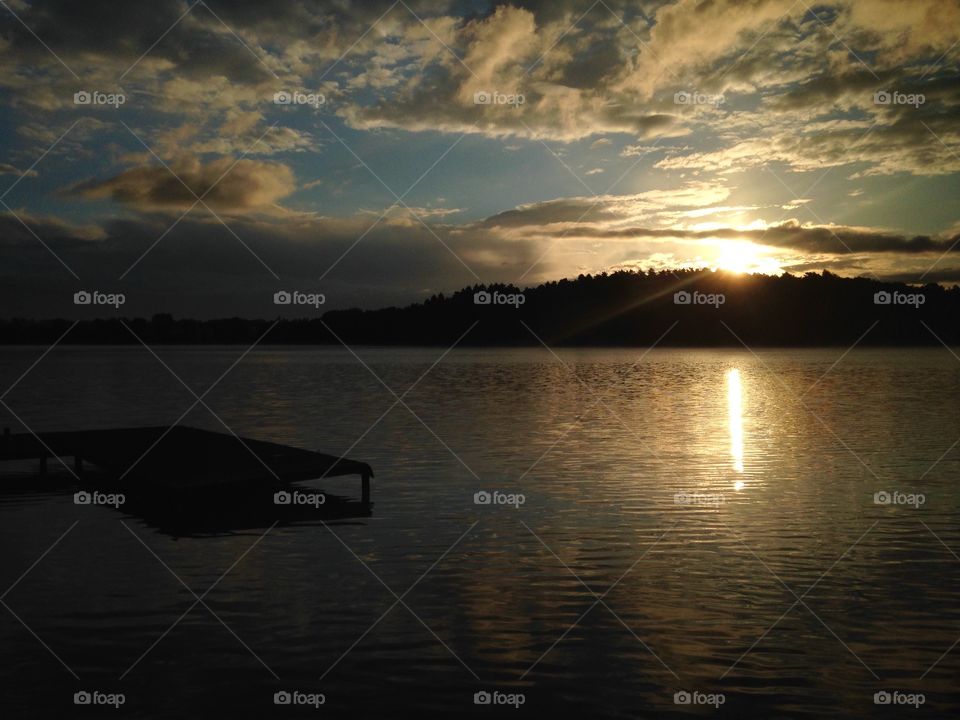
[(744, 257)]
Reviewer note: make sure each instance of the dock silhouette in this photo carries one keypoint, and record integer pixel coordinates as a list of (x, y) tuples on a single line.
[(169, 460)]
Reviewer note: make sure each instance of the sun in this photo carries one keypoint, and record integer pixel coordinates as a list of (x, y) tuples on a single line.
[(744, 257)]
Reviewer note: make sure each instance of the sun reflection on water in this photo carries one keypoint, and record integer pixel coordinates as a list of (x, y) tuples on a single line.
[(735, 421)]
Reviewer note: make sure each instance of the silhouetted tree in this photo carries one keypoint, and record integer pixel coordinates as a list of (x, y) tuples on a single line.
[(619, 308)]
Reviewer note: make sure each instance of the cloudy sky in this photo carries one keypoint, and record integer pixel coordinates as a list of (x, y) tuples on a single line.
[(199, 156)]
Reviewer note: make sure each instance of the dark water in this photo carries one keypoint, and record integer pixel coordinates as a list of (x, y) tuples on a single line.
[(700, 521)]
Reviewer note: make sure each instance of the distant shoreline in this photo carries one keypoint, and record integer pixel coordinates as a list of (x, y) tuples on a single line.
[(465, 347), (683, 308)]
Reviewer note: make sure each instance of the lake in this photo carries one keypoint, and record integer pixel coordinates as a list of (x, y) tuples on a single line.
[(673, 532)]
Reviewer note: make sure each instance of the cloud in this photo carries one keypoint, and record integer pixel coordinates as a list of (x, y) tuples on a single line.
[(610, 70), (237, 186), (200, 268), (689, 226), (509, 52), (917, 145), (413, 215), (23, 226), (7, 169), (797, 237), (652, 206), (602, 82), (696, 36)]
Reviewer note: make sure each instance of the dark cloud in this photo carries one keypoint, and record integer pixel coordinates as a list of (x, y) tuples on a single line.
[(947, 276), (199, 268), (114, 35), (819, 239), (562, 210), (237, 186), (791, 234)]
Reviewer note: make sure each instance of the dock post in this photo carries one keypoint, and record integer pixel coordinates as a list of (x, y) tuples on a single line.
[(365, 479)]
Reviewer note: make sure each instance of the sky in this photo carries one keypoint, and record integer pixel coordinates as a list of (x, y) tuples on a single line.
[(198, 157)]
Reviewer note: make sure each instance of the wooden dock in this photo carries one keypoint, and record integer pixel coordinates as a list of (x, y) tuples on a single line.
[(181, 458)]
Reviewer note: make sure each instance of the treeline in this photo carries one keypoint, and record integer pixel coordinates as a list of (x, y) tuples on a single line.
[(622, 308)]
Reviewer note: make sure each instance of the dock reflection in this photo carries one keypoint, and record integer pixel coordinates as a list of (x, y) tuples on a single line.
[(195, 513)]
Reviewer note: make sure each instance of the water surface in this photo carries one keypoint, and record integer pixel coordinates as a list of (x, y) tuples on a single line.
[(692, 521)]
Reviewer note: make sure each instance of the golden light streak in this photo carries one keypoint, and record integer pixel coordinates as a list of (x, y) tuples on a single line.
[(735, 420)]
